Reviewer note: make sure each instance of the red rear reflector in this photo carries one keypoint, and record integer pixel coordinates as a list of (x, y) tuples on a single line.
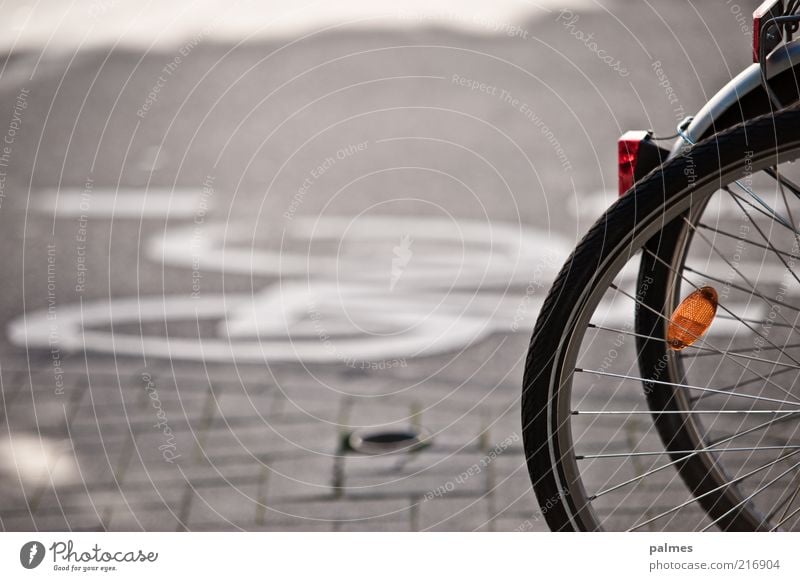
[(628, 153), (767, 10), (637, 155)]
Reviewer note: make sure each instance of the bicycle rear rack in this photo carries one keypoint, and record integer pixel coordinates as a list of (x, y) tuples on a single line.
[(773, 24)]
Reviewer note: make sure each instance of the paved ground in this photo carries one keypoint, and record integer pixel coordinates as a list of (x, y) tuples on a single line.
[(221, 260)]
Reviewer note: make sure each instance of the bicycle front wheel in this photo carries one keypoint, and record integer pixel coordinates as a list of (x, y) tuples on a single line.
[(625, 426)]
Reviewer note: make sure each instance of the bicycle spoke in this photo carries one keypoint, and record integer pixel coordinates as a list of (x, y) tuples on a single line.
[(710, 445), (705, 341), (751, 292), (786, 204), (786, 499), (706, 351), (737, 385), (744, 278), (669, 452), (745, 320), (636, 458), (661, 412), (791, 186), (768, 243), (785, 518), (727, 439), (709, 352), (685, 386), (738, 238), (772, 216), (717, 489), (751, 496)]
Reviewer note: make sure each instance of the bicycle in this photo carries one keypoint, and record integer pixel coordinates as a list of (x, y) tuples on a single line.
[(660, 387)]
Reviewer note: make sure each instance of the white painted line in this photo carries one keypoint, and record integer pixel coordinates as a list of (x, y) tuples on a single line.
[(591, 205), (458, 283), (122, 203), (38, 460), (274, 326), (67, 25), (444, 253)]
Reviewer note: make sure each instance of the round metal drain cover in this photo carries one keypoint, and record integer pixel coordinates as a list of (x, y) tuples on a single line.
[(387, 441)]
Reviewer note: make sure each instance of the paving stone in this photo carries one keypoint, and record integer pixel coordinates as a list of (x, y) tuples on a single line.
[(376, 525), (42, 415), (229, 507), (237, 402), (453, 514), (267, 439), (534, 523), (342, 511), (389, 411), (282, 526), (454, 429), (275, 427), (511, 487), (423, 473), (219, 470), (99, 502), (308, 476), (122, 518), (306, 404)]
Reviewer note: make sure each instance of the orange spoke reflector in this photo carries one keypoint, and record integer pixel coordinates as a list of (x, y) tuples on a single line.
[(692, 318)]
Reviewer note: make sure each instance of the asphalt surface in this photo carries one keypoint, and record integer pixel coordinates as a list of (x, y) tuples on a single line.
[(221, 260)]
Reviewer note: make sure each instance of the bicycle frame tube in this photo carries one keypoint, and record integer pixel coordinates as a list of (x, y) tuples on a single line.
[(750, 79)]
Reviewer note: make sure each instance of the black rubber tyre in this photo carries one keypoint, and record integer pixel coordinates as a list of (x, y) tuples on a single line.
[(649, 214)]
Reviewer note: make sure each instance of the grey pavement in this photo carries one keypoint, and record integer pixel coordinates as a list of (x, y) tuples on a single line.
[(405, 194)]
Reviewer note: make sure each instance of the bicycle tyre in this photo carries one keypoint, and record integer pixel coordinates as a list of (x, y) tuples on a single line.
[(643, 216)]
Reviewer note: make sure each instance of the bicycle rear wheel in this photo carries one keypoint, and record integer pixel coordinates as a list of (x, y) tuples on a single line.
[(623, 431)]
